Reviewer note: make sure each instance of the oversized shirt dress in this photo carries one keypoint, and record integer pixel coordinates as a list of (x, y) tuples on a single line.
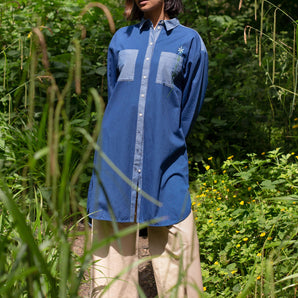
[(157, 78)]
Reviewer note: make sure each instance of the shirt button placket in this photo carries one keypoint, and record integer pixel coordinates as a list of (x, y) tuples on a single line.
[(138, 154)]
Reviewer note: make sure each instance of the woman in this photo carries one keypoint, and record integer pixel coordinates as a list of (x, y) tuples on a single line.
[(157, 77)]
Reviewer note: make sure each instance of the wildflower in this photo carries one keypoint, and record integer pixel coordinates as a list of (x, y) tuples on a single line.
[(217, 209), (215, 181), (245, 239), (259, 254), (216, 263), (295, 126), (237, 232), (294, 203), (189, 162), (263, 234), (234, 271), (196, 218), (293, 153), (249, 188), (283, 209), (296, 119), (210, 220), (263, 153), (199, 204), (222, 181), (234, 196), (29, 35), (204, 183), (197, 196), (254, 200), (241, 203), (230, 157), (230, 218), (204, 289), (228, 190), (224, 171), (210, 158), (238, 245), (269, 238), (259, 277), (193, 203), (207, 168), (219, 198)]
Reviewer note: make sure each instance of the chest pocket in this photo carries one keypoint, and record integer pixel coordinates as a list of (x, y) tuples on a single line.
[(127, 64), (169, 66)]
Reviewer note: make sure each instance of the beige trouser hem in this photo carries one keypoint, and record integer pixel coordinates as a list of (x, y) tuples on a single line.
[(175, 259)]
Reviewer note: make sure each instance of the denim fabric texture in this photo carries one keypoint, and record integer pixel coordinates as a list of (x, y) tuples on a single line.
[(157, 78)]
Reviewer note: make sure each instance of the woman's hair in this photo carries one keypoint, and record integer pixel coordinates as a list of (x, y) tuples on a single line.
[(172, 9)]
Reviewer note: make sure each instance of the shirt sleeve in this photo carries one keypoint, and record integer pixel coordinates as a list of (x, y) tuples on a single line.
[(196, 79), (112, 69)]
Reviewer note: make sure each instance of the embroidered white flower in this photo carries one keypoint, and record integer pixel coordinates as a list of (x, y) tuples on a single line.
[(180, 50)]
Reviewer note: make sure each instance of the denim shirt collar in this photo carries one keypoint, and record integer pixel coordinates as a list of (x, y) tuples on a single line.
[(169, 24)]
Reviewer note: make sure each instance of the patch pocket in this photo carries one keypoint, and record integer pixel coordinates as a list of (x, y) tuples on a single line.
[(169, 66), (126, 64)]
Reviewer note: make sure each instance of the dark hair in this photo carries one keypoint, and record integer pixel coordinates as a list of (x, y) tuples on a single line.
[(172, 9)]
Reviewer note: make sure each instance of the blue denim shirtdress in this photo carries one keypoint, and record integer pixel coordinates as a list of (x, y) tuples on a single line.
[(157, 78)]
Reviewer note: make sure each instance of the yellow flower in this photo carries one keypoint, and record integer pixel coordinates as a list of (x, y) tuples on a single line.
[(199, 204), (263, 234), (234, 196), (204, 183), (263, 153), (249, 188), (224, 171), (259, 277), (237, 232), (189, 162), (234, 271), (238, 245), (29, 35), (219, 198), (210, 158), (269, 238), (293, 153), (241, 203), (210, 220), (196, 218), (245, 239), (207, 167), (283, 209), (230, 218), (253, 200), (296, 156), (204, 289), (296, 119), (295, 126), (230, 157), (217, 209), (215, 181), (222, 181), (193, 203), (216, 263), (259, 254)]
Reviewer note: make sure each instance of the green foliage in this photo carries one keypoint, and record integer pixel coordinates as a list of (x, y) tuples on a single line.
[(247, 219)]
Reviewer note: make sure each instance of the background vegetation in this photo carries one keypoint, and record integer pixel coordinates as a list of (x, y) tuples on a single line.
[(243, 148)]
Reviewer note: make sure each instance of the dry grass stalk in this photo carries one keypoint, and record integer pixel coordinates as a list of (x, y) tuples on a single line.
[(104, 9)]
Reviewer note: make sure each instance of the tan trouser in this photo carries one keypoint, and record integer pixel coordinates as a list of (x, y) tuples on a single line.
[(175, 259)]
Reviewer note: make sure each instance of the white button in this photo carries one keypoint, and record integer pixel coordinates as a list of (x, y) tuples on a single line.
[(151, 43), (140, 114), (139, 170), (142, 95), (158, 27), (147, 58), (144, 77)]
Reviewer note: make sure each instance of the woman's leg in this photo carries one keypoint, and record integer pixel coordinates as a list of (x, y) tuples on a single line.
[(111, 260), (177, 260)]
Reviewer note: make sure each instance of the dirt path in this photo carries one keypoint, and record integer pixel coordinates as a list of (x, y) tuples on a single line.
[(146, 278)]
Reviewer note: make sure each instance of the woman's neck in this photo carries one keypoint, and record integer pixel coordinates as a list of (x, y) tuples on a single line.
[(156, 17)]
